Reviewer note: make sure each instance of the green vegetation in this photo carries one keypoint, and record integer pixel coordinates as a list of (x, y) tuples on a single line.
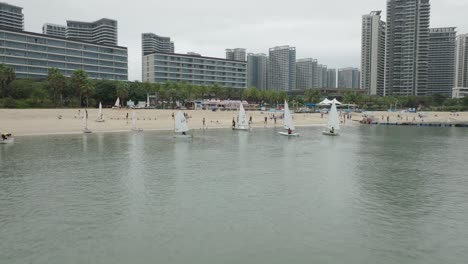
[(436, 102), (79, 91)]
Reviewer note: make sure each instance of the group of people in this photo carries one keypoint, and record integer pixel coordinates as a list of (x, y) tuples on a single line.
[(6, 136)]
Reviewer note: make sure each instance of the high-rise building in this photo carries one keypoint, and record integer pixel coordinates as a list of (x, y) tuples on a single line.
[(257, 70), (324, 76), (373, 54), (54, 30), (151, 43), (331, 78), (235, 54), (163, 67), (319, 75), (407, 47), (33, 54), (461, 65), (11, 16), (282, 68), (305, 73), (103, 31), (442, 46), (348, 78)]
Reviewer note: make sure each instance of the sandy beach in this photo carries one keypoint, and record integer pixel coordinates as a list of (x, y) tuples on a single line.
[(29, 122)]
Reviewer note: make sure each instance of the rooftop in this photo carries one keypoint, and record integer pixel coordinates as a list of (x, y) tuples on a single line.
[(55, 37), (193, 56)]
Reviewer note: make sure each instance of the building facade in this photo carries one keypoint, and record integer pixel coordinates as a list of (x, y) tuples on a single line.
[(151, 43), (331, 78), (54, 30), (257, 71), (32, 55), (282, 68), (373, 54), (11, 16), (305, 73), (348, 78), (103, 31), (162, 67), (407, 47), (324, 76), (235, 54), (319, 76), (442, 46), (461, 65)]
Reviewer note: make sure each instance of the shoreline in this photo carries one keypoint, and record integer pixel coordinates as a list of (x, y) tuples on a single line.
[(149, 130), (43, 122)]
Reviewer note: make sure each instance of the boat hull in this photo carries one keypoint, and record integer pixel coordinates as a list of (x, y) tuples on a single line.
[(87, 131), (241, 128), (326, 133), (137, 129), (183, 136), (288, 135), (7, 141), (99, 120)]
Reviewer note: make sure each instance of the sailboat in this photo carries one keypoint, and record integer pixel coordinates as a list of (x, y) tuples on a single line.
[(147, 101), (84, 123), (288, 122), (100, 116), (333, 122), (7, 138), (242, 123), (134, 127), (181, 126), (117, 104)]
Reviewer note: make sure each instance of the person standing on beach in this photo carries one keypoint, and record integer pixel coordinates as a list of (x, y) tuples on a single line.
[(388, 119), (172, 115), (266, 120), (203, 122), (126, 118), (233, 123)]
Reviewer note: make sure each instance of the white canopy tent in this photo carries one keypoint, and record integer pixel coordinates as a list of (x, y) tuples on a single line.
[(328, 102)]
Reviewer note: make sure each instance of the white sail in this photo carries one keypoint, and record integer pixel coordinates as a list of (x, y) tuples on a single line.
[(242, 117), (117, 102), (180, 124), (100, 110), (333, 118), (147, 101), (288, 121)]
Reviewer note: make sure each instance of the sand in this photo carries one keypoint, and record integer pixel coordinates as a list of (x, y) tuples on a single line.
[(30, 122)]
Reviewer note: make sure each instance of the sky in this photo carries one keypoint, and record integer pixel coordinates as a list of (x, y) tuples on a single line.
[(327, 30)]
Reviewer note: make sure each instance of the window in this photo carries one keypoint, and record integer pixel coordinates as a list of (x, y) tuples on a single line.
[(13, 36), (56, 43)]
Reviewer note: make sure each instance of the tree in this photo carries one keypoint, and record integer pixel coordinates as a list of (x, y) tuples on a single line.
[(88, 91), (312, 95), (7, 75), (57, 84), (79, 81), (122, 91)]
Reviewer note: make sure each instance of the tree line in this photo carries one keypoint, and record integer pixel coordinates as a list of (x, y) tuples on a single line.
[(79, 90), (58, 91)]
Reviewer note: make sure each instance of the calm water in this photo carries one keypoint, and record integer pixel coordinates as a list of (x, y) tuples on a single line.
[(373, 195)]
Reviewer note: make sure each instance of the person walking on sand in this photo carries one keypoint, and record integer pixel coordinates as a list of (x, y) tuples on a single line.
[(266, 121), (204, 125), (126, 118), (233, 123), (388, 119)]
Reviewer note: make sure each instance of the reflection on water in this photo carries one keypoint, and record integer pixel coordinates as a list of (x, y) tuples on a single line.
[(373, 195)]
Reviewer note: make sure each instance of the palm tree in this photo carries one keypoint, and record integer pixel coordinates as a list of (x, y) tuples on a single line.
[(57, 83), (7, 75), (79, 81)]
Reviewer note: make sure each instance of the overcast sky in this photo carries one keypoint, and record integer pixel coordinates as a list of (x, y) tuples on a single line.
[(328, 30)]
